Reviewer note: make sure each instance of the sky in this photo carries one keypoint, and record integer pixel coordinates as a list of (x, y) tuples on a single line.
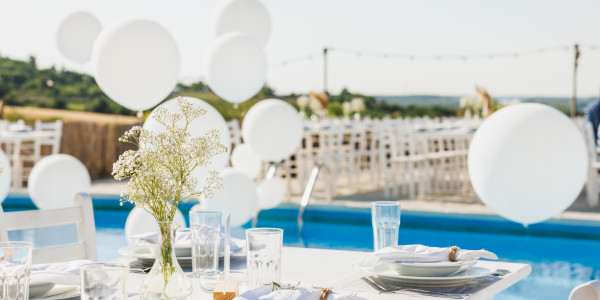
[(301, 28)]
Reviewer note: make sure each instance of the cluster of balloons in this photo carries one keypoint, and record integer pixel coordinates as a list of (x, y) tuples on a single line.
[(235, 63), (528, 162), (136, 62)]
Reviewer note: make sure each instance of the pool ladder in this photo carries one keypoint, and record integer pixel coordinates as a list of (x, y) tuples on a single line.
[(314, 174)]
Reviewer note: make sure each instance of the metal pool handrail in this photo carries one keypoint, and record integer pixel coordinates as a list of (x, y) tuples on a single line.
[(309, 188)]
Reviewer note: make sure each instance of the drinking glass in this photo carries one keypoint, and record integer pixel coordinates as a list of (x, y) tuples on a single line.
[(206, 234), (104, 281), (15, 266), (264, 255), (385, 216)]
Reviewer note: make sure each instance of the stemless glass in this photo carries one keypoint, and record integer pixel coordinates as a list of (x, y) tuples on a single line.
[(15, 267), (206, 234), (264, 255), (104, 281), (385, 216)]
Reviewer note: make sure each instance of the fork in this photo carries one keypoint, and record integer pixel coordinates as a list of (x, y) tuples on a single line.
[(383, 288)]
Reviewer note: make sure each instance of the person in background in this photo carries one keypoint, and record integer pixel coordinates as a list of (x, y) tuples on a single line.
[(592, 115)]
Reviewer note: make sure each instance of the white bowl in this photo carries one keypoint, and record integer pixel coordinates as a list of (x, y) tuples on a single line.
[(429, 269)]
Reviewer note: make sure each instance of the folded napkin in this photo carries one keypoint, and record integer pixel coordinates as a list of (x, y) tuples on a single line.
[(268, 293), (183, 237), (66, 273), (420, 253)]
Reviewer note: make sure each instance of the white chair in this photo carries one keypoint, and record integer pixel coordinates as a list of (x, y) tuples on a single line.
[(587, 291), (82, 215), (235, 132), (594, 167), (53, 141)]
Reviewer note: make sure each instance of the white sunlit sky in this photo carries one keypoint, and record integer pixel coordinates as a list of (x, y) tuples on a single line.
[(300, 28)]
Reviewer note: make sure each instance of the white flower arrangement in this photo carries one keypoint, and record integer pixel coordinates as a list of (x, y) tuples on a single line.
[(358, 105), (303, 101), (160, 170)]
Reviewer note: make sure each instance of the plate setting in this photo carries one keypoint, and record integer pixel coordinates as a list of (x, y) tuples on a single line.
[(430, 269), (387, 273)]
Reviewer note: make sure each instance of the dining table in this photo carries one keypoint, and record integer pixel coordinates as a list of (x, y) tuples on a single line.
[(337, 269)]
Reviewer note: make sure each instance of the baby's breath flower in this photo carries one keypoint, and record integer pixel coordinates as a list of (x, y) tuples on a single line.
[(160, 170)]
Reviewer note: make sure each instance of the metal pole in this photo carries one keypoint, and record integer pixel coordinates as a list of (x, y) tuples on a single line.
[(325, 70), (574, 97)]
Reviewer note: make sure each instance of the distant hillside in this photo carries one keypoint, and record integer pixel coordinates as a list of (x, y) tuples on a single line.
[(561, 103)]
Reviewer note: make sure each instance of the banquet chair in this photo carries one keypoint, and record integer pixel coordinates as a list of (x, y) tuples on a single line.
[(82, 215), (235, 132), (54, 140), (594, 165), (587, 291)]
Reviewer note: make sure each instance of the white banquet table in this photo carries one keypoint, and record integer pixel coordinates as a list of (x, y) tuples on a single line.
[(335, 269)]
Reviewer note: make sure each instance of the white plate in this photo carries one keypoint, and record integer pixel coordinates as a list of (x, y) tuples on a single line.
[(385, 273), (146, 255), (430, 269), (39, 289), (61, 292)]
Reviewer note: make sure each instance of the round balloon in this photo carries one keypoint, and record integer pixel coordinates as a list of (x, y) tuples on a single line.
[(211, 120), (273, 129), (136, 63), (140, 221), (76, 35), (238, 197), (245, 160), (528, 162), (271, 192), (246, 16), (236, 67), (56, 179), (5, 176)]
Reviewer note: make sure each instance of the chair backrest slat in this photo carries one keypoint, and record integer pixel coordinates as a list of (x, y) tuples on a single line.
[(59, 253), (19, 220)]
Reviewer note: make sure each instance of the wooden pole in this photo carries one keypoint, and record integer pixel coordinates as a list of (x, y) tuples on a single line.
[(574, 97), (325, 70)]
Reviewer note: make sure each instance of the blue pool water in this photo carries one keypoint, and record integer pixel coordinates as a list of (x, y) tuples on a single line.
[(562, 254)]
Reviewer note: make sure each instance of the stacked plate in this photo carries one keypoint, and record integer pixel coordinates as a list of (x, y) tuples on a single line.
[(433, 274), (51, 291), (146, 254)]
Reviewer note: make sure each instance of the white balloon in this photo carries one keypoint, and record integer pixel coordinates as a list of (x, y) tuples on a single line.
[(5, 176), (238, 197), (140, 221), (76, 35), (528, 162), (56, 179), (246, 16), (211, 120), (273, 129), (136, 63), (236, 67), (271, 192), (245, 160)]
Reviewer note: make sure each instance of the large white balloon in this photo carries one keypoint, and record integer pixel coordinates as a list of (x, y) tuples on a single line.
[(273, 129), (140, 221), (245, 160), (238, 197), (211, 120), (56, 179), (271, 192), (5, 176), (136, 63), (235, 67), (246, 16), (528, 162), (76, 35)]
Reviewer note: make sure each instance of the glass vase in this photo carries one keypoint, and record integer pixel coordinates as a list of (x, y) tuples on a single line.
[(166, 279)]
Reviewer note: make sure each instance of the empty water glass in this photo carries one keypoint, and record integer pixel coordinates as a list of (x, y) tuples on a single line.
[(206, 234), (15, 267), (264, 255), (385, 216), (104, 281)]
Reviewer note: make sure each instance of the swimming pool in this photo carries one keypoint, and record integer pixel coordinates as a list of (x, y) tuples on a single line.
[(563, 253)]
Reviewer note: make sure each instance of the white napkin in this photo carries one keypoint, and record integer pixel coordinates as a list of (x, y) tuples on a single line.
[(420, 253), (267, 293), (66, 273), (183, 237)]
